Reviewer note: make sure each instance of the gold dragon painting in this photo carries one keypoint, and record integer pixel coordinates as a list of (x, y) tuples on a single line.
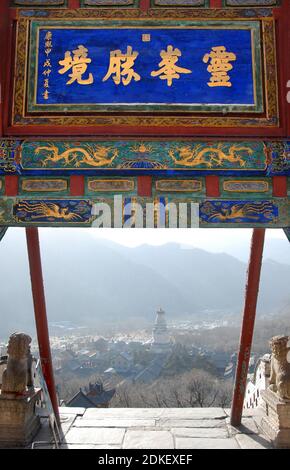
[(210, 156), (91, 155)]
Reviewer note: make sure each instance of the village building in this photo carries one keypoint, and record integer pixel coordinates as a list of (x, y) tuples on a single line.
[(95, 396)]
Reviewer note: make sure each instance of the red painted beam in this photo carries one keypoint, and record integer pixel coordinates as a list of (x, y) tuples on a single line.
[(252, 290), (11, 185), (212, 186), (77, 185), (279, 186), (144, 186), (73, 4), (286, 58), (4, 25), (216, 3), (144, 5), (177, 131), (38, 295)]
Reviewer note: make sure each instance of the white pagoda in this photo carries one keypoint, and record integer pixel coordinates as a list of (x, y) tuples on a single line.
[(161, 341)]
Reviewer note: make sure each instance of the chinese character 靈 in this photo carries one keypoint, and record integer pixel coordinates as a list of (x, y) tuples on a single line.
[(219, 66)]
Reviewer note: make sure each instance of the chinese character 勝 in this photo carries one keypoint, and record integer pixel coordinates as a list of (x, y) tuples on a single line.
[(121, 67), (168, 68), (79, 64), (219, 66)]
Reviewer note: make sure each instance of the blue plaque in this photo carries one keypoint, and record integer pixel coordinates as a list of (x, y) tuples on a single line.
[(83, 67)]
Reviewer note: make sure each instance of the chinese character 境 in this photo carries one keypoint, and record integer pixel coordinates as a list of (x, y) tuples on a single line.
[(219, 66), (79, 64), (121, 67), (168, 68)]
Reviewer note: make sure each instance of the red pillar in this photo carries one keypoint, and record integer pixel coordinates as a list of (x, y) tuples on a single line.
[(252, 290), (40, 313)]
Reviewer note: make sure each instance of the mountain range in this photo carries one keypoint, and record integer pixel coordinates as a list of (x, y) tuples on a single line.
[(91, 281)]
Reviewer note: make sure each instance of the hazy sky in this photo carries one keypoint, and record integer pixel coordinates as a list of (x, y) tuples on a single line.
[(208, 239), (201, 238)]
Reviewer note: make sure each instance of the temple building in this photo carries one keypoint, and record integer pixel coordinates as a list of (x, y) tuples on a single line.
[(161, 341), (95, 396)]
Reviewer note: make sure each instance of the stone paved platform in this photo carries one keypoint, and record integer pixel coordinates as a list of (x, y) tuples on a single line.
[(154, 428)]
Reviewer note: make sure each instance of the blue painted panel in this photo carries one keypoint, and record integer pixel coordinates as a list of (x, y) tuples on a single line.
[(262, 212), (53, 211), (188, 89)]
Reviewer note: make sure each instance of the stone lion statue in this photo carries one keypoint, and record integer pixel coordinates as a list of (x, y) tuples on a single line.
[(17, 376), (280, 367)]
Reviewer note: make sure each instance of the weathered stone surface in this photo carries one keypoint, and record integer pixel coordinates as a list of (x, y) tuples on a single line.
[(104, 432), (195, 443), (113, 423), (164, 413), (275, 423), (18, 422), (123, 413), (201, 432), (148, 440), (280, 367), (252, 442), (191, 423), (194, 413), (95, 436), (248, 426), (66, 410), (17, 377), (89, 446)]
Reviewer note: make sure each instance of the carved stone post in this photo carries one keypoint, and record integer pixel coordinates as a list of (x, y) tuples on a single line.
[(18, 397), (276, 399)]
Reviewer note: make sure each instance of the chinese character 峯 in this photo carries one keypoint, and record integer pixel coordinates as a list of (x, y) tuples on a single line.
[(79, 64), (168, 68), (121, 67), (219, 66)]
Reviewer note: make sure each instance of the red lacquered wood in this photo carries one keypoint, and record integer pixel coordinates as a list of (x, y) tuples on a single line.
[(77, 185), (251, 297), (212, 186), (11, 185), (281, 54), (4, 22), (9, 69), (40, 313), (279, 186), (144, 131), (286, 84), (144, 186), (73, 4), (144, 5), (216, 3)]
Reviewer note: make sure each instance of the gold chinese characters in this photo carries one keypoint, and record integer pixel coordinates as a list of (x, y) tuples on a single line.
[(168, 68), (79, 64), (47, 64), (121, 67), (219, 66)]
